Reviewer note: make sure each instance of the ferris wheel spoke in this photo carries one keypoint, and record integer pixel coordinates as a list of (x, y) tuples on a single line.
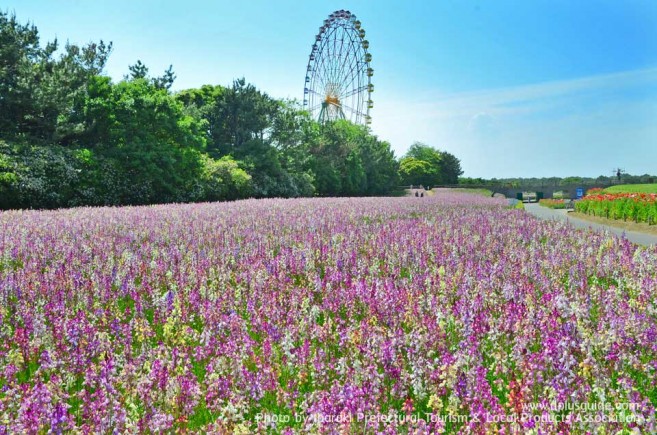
[(351, 87), (354, 92), (354, 77), (356, 61), (314, 92), (357, 71), (336, 64), (333, 53), (343, 54), (347, 62), (341, 72), (311, 93), (351, 109), (334, 68), (356, 65), (320, 72), (323, 55)]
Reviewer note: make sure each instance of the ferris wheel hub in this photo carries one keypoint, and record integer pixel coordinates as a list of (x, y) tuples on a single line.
[(332, 100)]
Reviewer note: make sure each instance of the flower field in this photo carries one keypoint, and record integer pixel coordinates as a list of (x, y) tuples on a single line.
[(636, 207), (450, 313)]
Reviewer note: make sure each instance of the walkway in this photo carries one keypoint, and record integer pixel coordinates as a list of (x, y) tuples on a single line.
[(547, 213)]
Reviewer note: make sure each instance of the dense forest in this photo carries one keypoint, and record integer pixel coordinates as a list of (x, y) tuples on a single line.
[(71, 136)]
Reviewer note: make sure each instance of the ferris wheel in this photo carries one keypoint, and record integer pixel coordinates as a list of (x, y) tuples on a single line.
[(339, 76)]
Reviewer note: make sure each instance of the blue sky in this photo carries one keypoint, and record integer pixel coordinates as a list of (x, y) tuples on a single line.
[(512, 88)]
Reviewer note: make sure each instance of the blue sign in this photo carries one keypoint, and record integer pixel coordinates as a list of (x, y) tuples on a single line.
[(580, 192)]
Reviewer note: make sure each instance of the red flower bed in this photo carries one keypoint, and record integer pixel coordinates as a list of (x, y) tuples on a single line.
[(637, 207), (594, 191)]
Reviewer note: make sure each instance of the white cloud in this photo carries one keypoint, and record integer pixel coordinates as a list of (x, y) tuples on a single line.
[(482, 123)]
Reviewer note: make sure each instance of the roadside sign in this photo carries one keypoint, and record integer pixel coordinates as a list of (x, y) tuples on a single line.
[(580, 192)]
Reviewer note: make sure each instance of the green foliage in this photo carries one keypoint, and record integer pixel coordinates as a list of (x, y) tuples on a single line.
[(469, 181), (573, 180), (36, 176), (158, 147), (381, 167), (40, 96), (348, 161), (223, 179), (427, 166), (265, 136), (554, 203), (416, 172), (140, 148), (450, 168), (140, 71), (238, 115)]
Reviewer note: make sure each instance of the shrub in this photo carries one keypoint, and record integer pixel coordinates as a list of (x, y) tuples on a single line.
[(553, 203)]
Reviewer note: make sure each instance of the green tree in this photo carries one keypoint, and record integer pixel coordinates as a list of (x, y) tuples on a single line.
[(244, 113), (441, 167), (432, 174), (413, 171), (140, 71), (450, 168), (347, 160), (40, 96), (137, 71), (265, 136), (291, 130), (336, 159), (380, 165), (202, 104), (33, 176), (222, 179), (426, 153), (143, 129), (234, 115), (19, 52)]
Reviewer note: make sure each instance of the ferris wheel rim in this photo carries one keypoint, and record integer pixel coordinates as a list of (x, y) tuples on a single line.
[(339, 71)]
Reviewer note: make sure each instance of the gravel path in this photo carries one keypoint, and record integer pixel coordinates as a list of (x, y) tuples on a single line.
[(547, 213)]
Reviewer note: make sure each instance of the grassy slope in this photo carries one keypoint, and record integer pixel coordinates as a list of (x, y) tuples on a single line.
[(642, 188), (483, 192)]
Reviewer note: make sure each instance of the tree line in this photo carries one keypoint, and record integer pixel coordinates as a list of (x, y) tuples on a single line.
[(560, 181), (71, 136)]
